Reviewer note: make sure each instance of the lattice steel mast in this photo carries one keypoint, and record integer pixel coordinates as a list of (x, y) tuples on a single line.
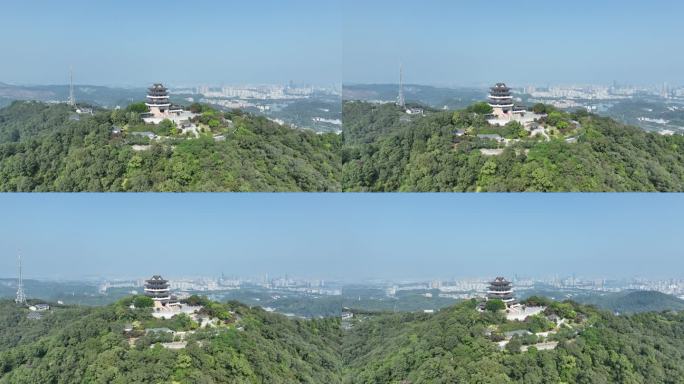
[(401, 101), (72, 98), (21, 296)]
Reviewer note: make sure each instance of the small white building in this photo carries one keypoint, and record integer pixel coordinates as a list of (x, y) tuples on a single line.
[(39, 307)]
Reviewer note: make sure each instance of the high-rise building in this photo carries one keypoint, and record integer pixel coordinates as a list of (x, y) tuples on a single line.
[(665, 91)]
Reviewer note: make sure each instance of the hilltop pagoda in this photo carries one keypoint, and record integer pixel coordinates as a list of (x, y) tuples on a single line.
[(159, 290), (502, 289), (158, 100), (501, 100), (161, 109)]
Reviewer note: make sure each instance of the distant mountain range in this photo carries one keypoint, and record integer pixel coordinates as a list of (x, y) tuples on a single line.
[(89, 94), (85, 292), (634, 302), (321, 112), (436, 97), (648, 113)]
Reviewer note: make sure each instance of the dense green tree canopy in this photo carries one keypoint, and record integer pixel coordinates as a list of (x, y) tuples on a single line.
[(481, 108), (89, 345), (143, 302), (452, 346), (43, 148), (249, 345), (495, 305), (387, 151)]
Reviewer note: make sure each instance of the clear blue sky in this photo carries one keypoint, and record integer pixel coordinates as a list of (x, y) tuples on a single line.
[(343, 235), (525, 41), (132, 42)]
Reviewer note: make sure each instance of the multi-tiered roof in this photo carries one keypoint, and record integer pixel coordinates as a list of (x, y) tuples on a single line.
[(158, 289), (501, 289), (158, 96), (500, 96)]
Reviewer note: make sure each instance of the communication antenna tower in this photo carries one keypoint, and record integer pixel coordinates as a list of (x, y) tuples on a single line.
[(72, 98), (21, 296), (401, 101)]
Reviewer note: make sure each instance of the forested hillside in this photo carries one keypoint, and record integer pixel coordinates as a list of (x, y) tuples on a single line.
[(459, 345), (387, 150), (634, 302), (90, 345), (563, 343), (49, 148)]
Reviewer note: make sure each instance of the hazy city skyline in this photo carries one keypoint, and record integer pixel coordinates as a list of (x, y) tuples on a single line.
[(342, 236)]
